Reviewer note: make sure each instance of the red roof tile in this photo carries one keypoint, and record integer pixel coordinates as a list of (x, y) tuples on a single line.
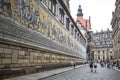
[(85, 22)]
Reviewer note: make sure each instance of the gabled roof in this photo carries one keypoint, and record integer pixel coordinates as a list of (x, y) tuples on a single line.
[(85, 22)]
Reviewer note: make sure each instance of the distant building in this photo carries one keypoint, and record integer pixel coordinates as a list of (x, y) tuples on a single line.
[(102, 46), (115, 22), (84, 26), (85, 23)]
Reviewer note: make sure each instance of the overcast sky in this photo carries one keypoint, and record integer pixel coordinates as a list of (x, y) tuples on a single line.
[(99, 10)]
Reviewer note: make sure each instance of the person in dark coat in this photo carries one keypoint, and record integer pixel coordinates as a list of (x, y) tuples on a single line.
[(95, 66), (91, 66), (74, 64)]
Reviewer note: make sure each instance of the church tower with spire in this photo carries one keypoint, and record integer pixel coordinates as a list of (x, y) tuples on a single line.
[(85, 23), (79, 14)]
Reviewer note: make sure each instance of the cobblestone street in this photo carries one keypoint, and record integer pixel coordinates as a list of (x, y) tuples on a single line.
[(83, 73), (58, 39)]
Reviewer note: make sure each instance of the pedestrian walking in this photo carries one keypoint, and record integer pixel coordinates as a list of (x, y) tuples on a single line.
[(108, 65), (74, 64), (91, 66), (102, 64), (95, 66)]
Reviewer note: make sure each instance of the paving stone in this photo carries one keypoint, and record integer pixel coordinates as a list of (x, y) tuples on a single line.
[(83, 73)]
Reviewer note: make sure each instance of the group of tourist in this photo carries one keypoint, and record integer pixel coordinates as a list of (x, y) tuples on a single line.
[(111, 64), (73, 64), (93, 66)]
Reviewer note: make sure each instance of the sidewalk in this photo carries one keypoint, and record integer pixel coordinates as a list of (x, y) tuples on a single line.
[(41, 75)]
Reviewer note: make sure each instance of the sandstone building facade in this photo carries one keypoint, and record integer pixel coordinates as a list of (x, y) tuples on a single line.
[(102, 46), (115, 22)]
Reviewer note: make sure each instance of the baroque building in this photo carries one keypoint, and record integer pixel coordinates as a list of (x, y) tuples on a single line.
[(102, 46), (84, 26), (115, 22), (38, 35)]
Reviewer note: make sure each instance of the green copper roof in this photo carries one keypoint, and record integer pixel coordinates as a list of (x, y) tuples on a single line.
[(79, 14)]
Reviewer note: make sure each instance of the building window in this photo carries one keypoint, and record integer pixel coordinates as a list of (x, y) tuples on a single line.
[(72, 29), (61, 15), (99, 57), (103, 52), (98, 51), (49, 4), (103, 58), (75, 33), (67, 23), (111, 57), (52, 6), (78, 36)]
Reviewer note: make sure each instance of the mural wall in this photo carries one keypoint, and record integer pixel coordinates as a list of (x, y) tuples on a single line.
[(33, 26), (32, 15)]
